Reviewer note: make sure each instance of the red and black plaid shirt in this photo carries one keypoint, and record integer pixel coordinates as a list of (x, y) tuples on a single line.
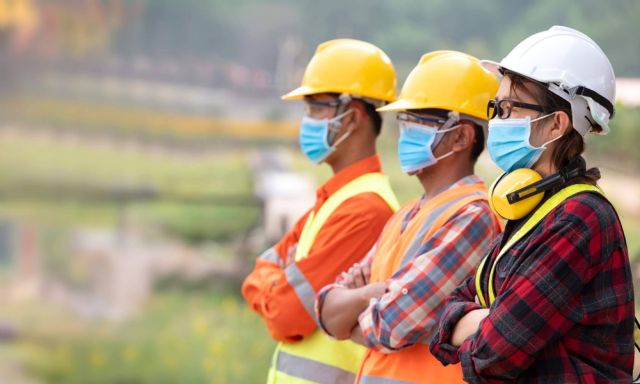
[(564, 304)]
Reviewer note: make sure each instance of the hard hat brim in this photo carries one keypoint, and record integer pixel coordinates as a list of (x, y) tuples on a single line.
[(492, 66), (299, 93), (400, 105)]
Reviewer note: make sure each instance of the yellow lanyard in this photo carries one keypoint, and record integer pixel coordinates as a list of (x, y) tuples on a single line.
[(531, 223)]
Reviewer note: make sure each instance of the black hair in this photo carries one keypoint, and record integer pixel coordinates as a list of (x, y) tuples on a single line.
[(478, 144), (374, 116)]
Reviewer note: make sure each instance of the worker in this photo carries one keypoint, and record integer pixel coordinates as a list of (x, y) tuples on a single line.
[(343, 84), (552, 302), (391, 301)]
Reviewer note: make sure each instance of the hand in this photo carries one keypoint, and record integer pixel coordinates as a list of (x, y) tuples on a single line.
[(341, 307), (357, 276), (374, 290), (467, 326)]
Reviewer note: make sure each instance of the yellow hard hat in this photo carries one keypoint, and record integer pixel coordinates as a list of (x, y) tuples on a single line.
[(348, 66), (447, 80)]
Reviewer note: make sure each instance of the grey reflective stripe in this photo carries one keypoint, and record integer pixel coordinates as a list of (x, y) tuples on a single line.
[(380, 380), (426, 226), (312, 370), (303, 289), (270, 255)]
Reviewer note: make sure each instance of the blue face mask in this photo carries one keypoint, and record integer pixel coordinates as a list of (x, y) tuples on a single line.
[(508, 143), (415, 146), (314, 136)]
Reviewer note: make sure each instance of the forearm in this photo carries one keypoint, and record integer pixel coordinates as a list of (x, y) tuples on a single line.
[(341, 308), (441, 345), (467, 326)]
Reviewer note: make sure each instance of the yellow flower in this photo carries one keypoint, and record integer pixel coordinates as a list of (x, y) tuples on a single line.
[(171, 362), (229, 306), (208, 364), (96, 359), (257, 349), (129, 354), (200, 326), (216, 347)]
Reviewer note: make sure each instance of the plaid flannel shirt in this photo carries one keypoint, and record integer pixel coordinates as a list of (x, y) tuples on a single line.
[(564, 304)]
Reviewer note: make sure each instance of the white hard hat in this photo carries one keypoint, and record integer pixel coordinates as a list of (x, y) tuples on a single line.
[(573, 66)]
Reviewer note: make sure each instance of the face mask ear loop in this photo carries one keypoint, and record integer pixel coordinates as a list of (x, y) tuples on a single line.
[(337, 129), (343, 100), (445, 155), (549, 142), (542, 117), (454, 117), (552, 140)]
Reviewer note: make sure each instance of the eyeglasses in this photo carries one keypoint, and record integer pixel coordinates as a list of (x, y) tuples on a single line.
[(502, 108), (416, 118), (315, 107)]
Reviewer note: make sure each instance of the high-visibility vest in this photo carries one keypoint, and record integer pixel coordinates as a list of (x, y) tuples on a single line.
[(317, 358), (395, 248), (531, 223)]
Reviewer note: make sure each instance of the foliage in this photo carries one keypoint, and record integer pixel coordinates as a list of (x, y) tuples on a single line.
[(252, 31), (199, 338)]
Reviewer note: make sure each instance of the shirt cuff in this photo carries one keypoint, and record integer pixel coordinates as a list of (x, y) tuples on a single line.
[(372, 339), (440, 345), (468, 369), (318, 305)]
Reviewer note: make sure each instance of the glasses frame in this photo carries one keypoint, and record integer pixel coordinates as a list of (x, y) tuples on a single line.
[(497, 108), (309, 104), (417, 118)]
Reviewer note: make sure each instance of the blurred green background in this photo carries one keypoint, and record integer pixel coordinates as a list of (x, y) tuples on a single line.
[(133, 135)]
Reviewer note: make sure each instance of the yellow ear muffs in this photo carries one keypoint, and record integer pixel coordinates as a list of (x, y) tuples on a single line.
[(508, 183)]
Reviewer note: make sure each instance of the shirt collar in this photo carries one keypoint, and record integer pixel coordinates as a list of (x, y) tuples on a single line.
[(367, 165), (467, 180)]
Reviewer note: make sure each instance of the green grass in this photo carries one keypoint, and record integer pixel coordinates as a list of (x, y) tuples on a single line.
[(43, 167), (177, 338), (118, 120), (101, 165)]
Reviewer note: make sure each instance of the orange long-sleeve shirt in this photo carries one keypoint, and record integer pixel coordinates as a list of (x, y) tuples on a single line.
[(284, 295)]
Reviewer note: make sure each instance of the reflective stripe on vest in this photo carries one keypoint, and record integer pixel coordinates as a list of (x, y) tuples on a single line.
[(395, 249), (318, 358), (380, 380), (315, 359), (531, 223)]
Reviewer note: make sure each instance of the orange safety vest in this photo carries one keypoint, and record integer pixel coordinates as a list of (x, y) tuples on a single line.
[(414, 364)]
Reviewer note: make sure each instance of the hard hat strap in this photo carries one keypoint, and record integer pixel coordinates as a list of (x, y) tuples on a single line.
[(580, 90)]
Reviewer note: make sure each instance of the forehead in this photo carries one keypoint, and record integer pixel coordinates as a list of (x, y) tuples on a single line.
[(523, 91)]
